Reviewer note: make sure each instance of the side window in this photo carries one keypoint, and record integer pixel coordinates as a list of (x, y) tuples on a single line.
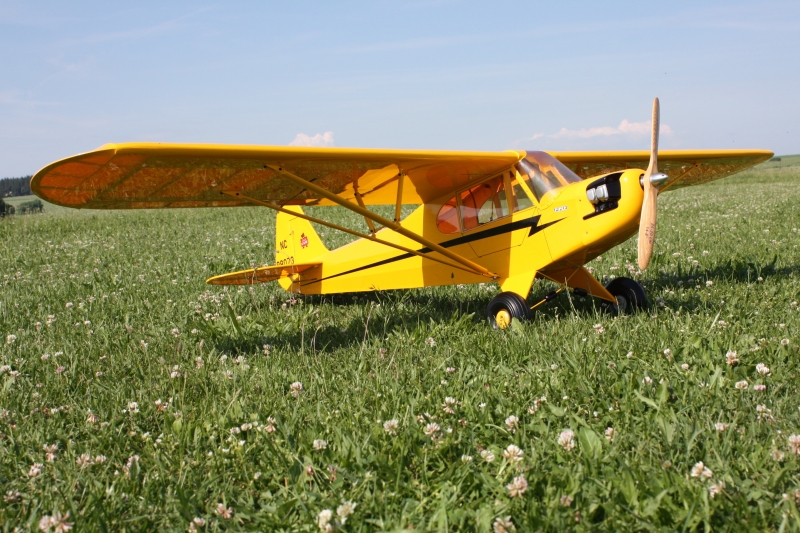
[(521, 199), (447, 220), (484, 203)]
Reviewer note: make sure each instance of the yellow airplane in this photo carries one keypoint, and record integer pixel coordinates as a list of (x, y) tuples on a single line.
[(509, 217)]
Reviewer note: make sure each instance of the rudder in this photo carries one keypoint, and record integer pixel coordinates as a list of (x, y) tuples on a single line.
[(296, 241)]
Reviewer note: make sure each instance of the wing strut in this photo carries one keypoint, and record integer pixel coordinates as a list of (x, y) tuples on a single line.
[(473, 266), (370, 237)]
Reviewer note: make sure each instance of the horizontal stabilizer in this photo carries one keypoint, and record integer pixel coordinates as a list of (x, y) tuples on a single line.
[(260, 274)]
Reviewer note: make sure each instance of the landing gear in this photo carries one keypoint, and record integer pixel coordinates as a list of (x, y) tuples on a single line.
[(629, 294), (504, 307)]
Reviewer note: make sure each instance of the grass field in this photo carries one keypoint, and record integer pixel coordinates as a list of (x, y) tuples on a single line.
[(135, 397), (781, 161)]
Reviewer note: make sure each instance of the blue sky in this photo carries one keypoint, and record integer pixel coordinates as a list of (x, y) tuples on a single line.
[(421, 74)]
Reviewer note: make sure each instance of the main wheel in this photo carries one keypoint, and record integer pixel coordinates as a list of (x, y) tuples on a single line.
[(504, 307), (629, 294)]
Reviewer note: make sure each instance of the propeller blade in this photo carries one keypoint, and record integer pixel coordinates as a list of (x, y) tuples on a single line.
[(647, 222)]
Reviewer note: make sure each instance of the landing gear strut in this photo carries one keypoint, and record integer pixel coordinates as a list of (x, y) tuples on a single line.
[(504, 307), (629, 294)]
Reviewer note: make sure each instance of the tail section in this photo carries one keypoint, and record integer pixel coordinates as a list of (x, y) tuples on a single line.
[(296, 241)]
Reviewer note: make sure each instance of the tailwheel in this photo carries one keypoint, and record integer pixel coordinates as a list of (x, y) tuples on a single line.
[(629, 294), (504, 307)]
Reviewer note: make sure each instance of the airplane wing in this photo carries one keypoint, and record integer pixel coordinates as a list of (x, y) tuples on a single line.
[(684, 167), (154, 175)]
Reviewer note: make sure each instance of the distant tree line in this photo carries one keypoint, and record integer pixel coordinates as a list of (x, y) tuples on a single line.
[(15, 186), (25, 208)]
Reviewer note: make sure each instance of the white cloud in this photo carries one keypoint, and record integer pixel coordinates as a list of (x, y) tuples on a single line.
[(624, 128), (320, 139)]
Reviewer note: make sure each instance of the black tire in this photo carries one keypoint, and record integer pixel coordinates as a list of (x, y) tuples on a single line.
[(512, 304), (630, 296)]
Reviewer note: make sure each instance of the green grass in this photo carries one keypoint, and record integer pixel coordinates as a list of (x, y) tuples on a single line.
[(89, 288), (781, 161), (16, 200)]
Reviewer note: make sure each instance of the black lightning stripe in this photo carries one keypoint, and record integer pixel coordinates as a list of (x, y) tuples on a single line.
[(531, 222)]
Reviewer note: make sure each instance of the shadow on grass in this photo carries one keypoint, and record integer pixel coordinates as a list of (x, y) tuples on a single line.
[(413, 311)]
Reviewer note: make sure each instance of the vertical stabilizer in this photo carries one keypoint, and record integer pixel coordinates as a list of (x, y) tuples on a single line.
[(296, 241)]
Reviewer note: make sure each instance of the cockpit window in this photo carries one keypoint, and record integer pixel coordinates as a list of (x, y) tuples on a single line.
[(484, 203), (447, 221), (543, 173)]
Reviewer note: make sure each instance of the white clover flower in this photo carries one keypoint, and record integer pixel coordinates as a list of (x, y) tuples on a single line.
[(719, 426), (598, 329), (295, 389), (554, 367), (668, 352), (432, 429), (512, 422), (647, 380), (764, 413), (513, 454), (466, 458), (58, 523), (174, 374), (69, 305), (610, 433), (176, 332), (762, 369), (324, 520), (794, 443), (449, 404), (391, 426), (487, 456), (503, 525), (11, 339), (716, 488), (731, 358), (518, 486), (741, 385), (430, 342), (685, 366), (778, 455), (701, 470), (133, 407), (223, 512), (35, 469), (709, 283), (346, 509), (567, 439), (84, 460), (319, 444), (566, 500), (760, 387), (785, 342)]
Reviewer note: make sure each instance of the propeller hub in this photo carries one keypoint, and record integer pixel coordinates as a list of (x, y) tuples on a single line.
[(656, 179)]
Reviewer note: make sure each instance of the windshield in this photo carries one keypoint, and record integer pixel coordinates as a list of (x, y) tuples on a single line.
[(543, 173)]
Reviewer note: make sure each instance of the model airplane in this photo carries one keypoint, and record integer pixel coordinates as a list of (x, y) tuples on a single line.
[(507, 216)]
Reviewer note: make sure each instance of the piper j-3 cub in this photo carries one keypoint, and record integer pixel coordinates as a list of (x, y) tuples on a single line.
[(509, 217)]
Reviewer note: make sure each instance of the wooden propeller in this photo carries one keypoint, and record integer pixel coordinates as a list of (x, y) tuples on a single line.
[(647, 222)]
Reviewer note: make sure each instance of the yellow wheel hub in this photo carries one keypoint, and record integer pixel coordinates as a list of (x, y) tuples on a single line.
[(502, 319)]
